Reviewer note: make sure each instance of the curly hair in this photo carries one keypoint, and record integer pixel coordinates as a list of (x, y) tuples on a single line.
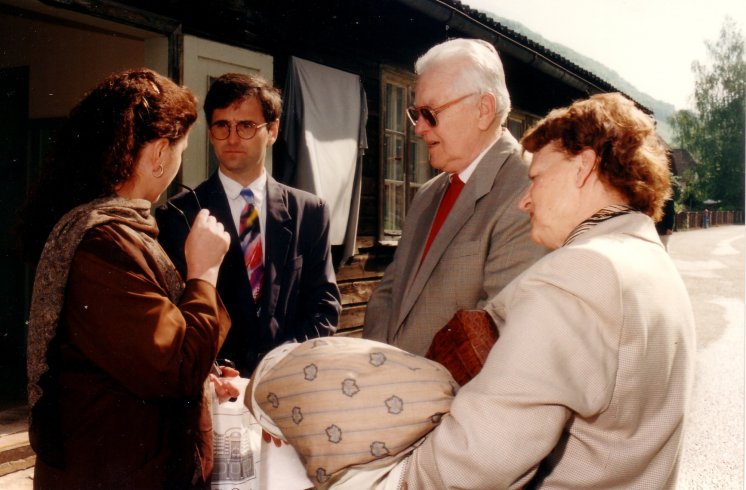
[(235, 87), (97, 147), (631, 156)]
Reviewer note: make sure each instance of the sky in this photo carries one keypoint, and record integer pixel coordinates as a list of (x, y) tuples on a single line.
[(650, 43)]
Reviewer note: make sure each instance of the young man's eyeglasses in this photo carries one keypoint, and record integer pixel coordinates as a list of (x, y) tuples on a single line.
[(221, 130), (430, 114)]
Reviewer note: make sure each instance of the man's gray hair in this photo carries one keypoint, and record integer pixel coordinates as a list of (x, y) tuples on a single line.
[(484, 72)]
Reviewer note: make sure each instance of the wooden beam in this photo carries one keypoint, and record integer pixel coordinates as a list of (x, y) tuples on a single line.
[(357, 292), (352, 317)]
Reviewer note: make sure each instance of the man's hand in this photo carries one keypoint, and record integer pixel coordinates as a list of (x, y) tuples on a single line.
[(270, 438), (224, 388)]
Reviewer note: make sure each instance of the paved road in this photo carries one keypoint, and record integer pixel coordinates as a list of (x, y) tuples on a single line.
[(712, 264)]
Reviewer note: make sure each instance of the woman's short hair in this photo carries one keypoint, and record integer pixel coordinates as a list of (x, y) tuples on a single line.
[(113, 122), (98, 145), (484, 72), (632, 158), (236, 87)]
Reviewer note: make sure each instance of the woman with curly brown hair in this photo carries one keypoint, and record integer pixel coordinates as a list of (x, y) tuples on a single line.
[(119, 347)]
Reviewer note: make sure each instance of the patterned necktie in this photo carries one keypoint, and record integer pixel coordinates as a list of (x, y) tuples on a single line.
[(452, 193), (249, 234)]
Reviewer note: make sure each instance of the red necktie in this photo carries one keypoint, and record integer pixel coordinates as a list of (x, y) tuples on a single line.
[(454, 189)]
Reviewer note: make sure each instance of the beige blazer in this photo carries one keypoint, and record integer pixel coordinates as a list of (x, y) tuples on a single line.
[(483, 244), (589, 381)]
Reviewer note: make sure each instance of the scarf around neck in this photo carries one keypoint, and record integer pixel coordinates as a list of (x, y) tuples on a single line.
[(599, 216), (54, 267)]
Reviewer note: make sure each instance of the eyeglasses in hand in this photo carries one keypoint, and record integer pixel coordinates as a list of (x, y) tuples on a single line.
[(199, 205)]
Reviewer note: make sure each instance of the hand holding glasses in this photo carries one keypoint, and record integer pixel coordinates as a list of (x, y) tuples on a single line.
[(189, 226)]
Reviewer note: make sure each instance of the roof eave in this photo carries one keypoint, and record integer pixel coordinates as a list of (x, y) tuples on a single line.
[(476, 24)]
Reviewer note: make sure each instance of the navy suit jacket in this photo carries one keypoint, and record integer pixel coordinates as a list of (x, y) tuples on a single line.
[(300, 297)]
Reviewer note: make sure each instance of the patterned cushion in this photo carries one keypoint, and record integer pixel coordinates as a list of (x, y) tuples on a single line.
[(344, 401)]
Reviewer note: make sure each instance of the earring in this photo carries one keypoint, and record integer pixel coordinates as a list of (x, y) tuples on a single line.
[(160, 171)]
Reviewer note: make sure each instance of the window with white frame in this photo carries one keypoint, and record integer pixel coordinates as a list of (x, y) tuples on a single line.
[(404, 159)]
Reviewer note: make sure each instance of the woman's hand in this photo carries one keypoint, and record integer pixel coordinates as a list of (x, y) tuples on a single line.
[(205, 248)]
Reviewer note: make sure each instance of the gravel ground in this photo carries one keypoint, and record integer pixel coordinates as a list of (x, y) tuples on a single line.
[(712, 264)]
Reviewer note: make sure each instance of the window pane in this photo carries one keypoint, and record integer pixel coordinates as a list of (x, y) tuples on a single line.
[(395, 108), (393, 165), (515, 126), (393, 206), (392, 150), (393, 199)]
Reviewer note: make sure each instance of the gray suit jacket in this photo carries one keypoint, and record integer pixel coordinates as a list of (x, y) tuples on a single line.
[(589, 381), (483, 244)]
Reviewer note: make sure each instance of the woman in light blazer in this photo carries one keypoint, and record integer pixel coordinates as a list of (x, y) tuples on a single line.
[(590, 378)]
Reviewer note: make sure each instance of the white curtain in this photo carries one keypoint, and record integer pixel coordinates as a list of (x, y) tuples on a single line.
[(324, 131)]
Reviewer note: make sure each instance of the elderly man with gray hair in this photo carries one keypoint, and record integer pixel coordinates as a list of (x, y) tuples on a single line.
[(464, 238)]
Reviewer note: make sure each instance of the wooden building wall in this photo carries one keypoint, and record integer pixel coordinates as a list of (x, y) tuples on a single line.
[(361, 37)]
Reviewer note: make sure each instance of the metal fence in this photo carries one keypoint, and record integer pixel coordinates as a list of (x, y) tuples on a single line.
[(705, 219)]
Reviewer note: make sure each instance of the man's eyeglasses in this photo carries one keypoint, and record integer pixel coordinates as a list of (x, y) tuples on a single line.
[(246, 130), (199, 205), (430, 114)]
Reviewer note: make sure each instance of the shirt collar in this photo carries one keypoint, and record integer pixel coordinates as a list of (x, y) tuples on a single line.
[(233, 188)]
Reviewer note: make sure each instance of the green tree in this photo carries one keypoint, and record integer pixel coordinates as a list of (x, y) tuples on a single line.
[(715, 133)]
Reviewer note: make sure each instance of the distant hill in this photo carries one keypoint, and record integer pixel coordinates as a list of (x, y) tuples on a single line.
[(662, 110)]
